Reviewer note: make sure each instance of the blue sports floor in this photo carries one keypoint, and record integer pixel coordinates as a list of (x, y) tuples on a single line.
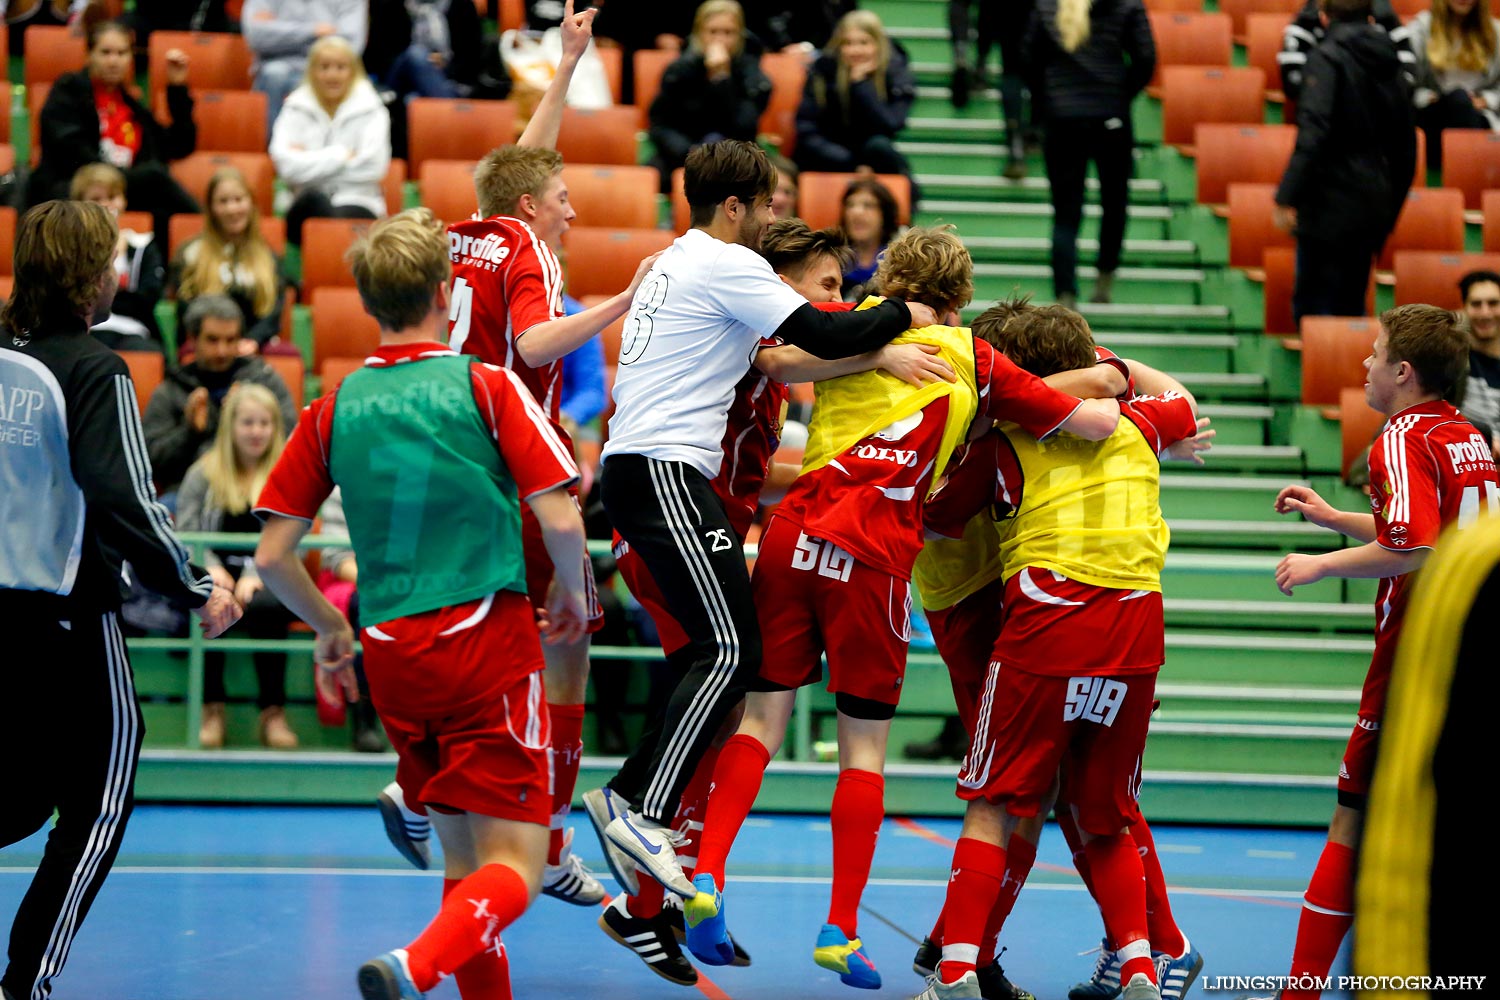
[(255, 903)]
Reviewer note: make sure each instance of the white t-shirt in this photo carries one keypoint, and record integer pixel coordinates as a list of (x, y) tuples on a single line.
[(691, 334)]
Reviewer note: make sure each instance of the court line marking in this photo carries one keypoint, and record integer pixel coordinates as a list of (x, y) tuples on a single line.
[(1272, 855)]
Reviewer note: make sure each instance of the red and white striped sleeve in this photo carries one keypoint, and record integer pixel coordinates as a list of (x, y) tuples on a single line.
[(533, 283), (534, 454), (300, 481), (1403, 478)]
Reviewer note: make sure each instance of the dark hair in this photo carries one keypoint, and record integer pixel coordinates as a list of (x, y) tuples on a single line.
[(988, 324), (63, 248), (94, 30), (890, 212), (718, 171), (1347, 10), (212, 306), (1435, 342), (1046, 340), (790, 245), (1473, 278)]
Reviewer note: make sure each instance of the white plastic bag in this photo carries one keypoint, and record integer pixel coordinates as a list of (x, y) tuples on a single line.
[(532, 63)]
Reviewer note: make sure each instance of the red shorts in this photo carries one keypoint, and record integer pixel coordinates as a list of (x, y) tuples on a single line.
[(637, 577), (1054, 624), (462, 700), (812, 596), (965, 636), (539, 568), (1093, 727)]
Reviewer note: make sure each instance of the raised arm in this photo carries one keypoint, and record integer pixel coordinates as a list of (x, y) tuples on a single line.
[(546, 121)]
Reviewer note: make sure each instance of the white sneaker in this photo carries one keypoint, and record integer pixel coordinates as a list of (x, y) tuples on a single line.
[(570, 879), (1140, 987), (651, 846), (967, 988), (409, 833), (603, 805)]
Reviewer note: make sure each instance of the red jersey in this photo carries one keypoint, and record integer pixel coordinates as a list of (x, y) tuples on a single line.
[(869, 500), (1428, 469), (751, 436), (505, 281)]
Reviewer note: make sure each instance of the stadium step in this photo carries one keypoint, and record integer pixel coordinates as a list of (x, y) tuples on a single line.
[(1222, 385), (1143, 285), (1173, 351), (1038, 250), (1278, 536), (1239, 424), (1030, 218), (1280, 613), (1136, 316), (1198, 495), (989, 185), (1276, 659)]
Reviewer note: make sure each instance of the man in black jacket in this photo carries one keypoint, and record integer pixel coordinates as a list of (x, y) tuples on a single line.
[(1307, 30), (75, 505), (1355, 157)]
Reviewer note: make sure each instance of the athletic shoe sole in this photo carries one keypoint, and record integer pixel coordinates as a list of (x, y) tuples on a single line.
[(621, 866), (395, 832), (655, 967), (661, 865), (378, 982)]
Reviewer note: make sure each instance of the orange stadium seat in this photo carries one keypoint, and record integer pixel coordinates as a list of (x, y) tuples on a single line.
[(229, 121), (1334, 349), (650, 64), (394, 186), (194, 172), (216, 61), (788, 76), (323, 244), (447, 187), (334, 370), (602, 135), (681, 211), (1280, 266), (1196, 94), (147, 368), (512, 14), (185, 226), (613, 197), (1359, 422), (1431, 277), (602, 261), (1190, 40), (820, 196), (1239, 12), (1432, 219), (341, 327), (7, 282), (614, 69), (51, 51), (1229, 154), (141, 222), (7, 239), (1491, 207), (1471, 162), (289, 367), (441, 129), (1252, 227), (1262, 43), (1174, 6)]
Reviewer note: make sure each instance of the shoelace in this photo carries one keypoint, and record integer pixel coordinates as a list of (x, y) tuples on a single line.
[(1101, 964)]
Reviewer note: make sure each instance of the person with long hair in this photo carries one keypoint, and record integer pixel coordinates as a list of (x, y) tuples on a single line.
[(131, 324), (1086, 63), (76, 503), (217, 495), (90, 116), (716, 90), (858, 94), (1457, 45), (231, 257), (871, 218), (332, 141)]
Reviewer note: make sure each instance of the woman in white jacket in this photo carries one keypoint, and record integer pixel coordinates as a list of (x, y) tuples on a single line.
[(332, 140)]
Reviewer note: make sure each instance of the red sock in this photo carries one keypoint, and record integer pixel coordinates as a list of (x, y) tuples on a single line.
[(1020, 855), (486, 976), (936, 937), (645, 904), (566, 753), (736, 783), (1327, 912), (474, 912), (1121, 886), (1069, 828), (1160, 924), (972, 890), (857, 812), (690, 810)]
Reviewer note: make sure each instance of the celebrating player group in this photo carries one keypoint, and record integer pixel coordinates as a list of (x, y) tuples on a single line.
[(1010, 470)]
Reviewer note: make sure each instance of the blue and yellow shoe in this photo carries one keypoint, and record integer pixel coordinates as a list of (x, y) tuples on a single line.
[(707, 937), (847, 957)]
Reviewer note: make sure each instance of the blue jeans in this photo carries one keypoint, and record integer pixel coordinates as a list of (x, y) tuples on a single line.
[(413, 73)]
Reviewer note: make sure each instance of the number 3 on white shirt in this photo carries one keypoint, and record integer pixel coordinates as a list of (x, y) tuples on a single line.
[(642, 322)]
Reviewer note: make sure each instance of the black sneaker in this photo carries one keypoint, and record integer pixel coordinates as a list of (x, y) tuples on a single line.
[(959, 88), (994, 986), (925, 961), (673, 906), (652, 941)]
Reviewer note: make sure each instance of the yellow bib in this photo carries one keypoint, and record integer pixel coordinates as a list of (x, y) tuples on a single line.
[(1089, 510), (848, 409), (950, 569)]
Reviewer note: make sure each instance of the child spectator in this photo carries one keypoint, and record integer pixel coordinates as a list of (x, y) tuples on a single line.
[(1457, 45), (231, 257), (217, 495), (871, 219), (131, 324), (332, 142), (858, 95), (714, 91)]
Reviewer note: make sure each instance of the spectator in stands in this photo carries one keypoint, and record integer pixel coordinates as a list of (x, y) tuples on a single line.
[(804, 26), (22, 14), (1457, 48), (1306, 31), (281, 33), (714, 91), (231, 257), (1353, 163), (425, 48), (784, 199), (182, 416), (1481, 397), (858, 94), (998, 23), (332, 142), (1084, 66), (217, 495), (91, 116), (871, 218), (139, 263)]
